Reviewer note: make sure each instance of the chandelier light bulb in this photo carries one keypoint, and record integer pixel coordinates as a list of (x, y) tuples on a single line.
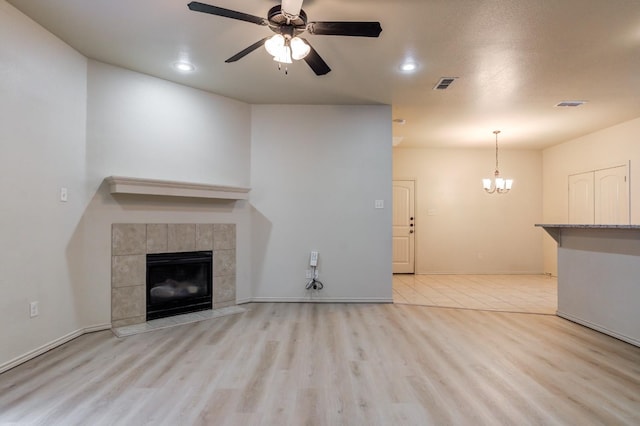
[(508, 184)]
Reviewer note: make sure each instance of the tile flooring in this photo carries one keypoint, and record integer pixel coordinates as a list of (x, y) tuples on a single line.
[(158, 324), (508, 293)]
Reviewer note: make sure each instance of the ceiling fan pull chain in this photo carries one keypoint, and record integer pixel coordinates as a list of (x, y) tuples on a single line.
[(286, 68)]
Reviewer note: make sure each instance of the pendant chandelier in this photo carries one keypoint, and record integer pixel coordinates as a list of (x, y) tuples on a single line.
[(497, 184)]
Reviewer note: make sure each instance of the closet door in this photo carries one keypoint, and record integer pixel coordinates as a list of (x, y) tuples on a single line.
[(612, 196), (581, 199)]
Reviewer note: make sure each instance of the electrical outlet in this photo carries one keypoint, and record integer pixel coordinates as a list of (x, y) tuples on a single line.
[(34, 309), (308, 274)]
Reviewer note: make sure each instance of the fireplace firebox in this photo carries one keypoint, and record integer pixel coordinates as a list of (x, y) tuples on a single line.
[(178, 283)]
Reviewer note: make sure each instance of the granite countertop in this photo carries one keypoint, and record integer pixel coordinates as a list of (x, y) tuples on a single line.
[(586, 226)]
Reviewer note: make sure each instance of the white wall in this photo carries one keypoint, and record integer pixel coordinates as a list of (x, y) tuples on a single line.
[(67, 122), (460, 229), (613, 146), (141, 126), (42, 134), (316, 172)]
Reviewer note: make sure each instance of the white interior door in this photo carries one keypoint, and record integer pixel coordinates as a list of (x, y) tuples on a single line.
[(403, 227), (581, 198), (611, 196)]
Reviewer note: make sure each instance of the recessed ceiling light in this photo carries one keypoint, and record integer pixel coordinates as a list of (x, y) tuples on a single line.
[(184, 66), (409, 66)]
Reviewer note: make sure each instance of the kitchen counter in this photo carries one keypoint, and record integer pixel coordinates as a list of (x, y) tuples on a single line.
[(599, 277)]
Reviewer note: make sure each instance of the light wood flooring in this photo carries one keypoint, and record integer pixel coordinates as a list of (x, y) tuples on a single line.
[(508, 293), (335, 364)]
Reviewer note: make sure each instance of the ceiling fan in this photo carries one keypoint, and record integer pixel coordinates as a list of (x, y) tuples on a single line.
[(288, 21)]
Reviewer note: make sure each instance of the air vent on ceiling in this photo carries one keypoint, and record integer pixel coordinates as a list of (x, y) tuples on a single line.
[(571, 104), (444, 83)]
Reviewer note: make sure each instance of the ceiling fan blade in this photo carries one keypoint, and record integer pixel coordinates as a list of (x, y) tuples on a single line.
[(354, 29), (227, 13), (292, 7), (248, 50), (315, 62)]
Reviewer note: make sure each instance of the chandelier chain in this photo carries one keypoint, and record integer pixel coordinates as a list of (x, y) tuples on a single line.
[(497, 185), (496, 133)]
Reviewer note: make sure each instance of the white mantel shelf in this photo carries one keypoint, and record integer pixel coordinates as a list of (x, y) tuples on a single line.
[(167, 188)]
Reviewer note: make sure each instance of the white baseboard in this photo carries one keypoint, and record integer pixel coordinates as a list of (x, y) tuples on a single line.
[(601, 329), (51, 345), (309, 299), (482, 273), (67, 338)]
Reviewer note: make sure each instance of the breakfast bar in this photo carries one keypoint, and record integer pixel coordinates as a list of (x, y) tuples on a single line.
[(599, 277)]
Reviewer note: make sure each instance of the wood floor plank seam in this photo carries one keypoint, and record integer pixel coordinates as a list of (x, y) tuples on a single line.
[(335, 364)]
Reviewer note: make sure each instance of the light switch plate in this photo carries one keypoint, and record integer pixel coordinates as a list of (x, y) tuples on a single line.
[(379, 204), (34, 309)]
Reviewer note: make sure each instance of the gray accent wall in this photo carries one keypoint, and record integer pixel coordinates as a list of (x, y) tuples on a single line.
[(316, 172)]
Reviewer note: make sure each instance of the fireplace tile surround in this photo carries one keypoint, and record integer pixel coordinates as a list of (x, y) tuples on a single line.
[(131, 242)]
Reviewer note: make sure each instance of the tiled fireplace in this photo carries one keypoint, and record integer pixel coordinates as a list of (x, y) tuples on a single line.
[(130, 244)]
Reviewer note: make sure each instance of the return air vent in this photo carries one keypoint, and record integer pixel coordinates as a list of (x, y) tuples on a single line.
[(444, 83), (570, 104)]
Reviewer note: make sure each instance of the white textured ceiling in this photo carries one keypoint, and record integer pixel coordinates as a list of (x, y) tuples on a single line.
[(514, 59)]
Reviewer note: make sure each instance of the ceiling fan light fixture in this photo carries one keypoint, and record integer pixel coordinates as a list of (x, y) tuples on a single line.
[(275, 45), (288, 20), (299, 49), (284, 49), (284, 56)]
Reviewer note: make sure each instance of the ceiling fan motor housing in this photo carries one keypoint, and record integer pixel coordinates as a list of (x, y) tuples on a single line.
[(285, 24)]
